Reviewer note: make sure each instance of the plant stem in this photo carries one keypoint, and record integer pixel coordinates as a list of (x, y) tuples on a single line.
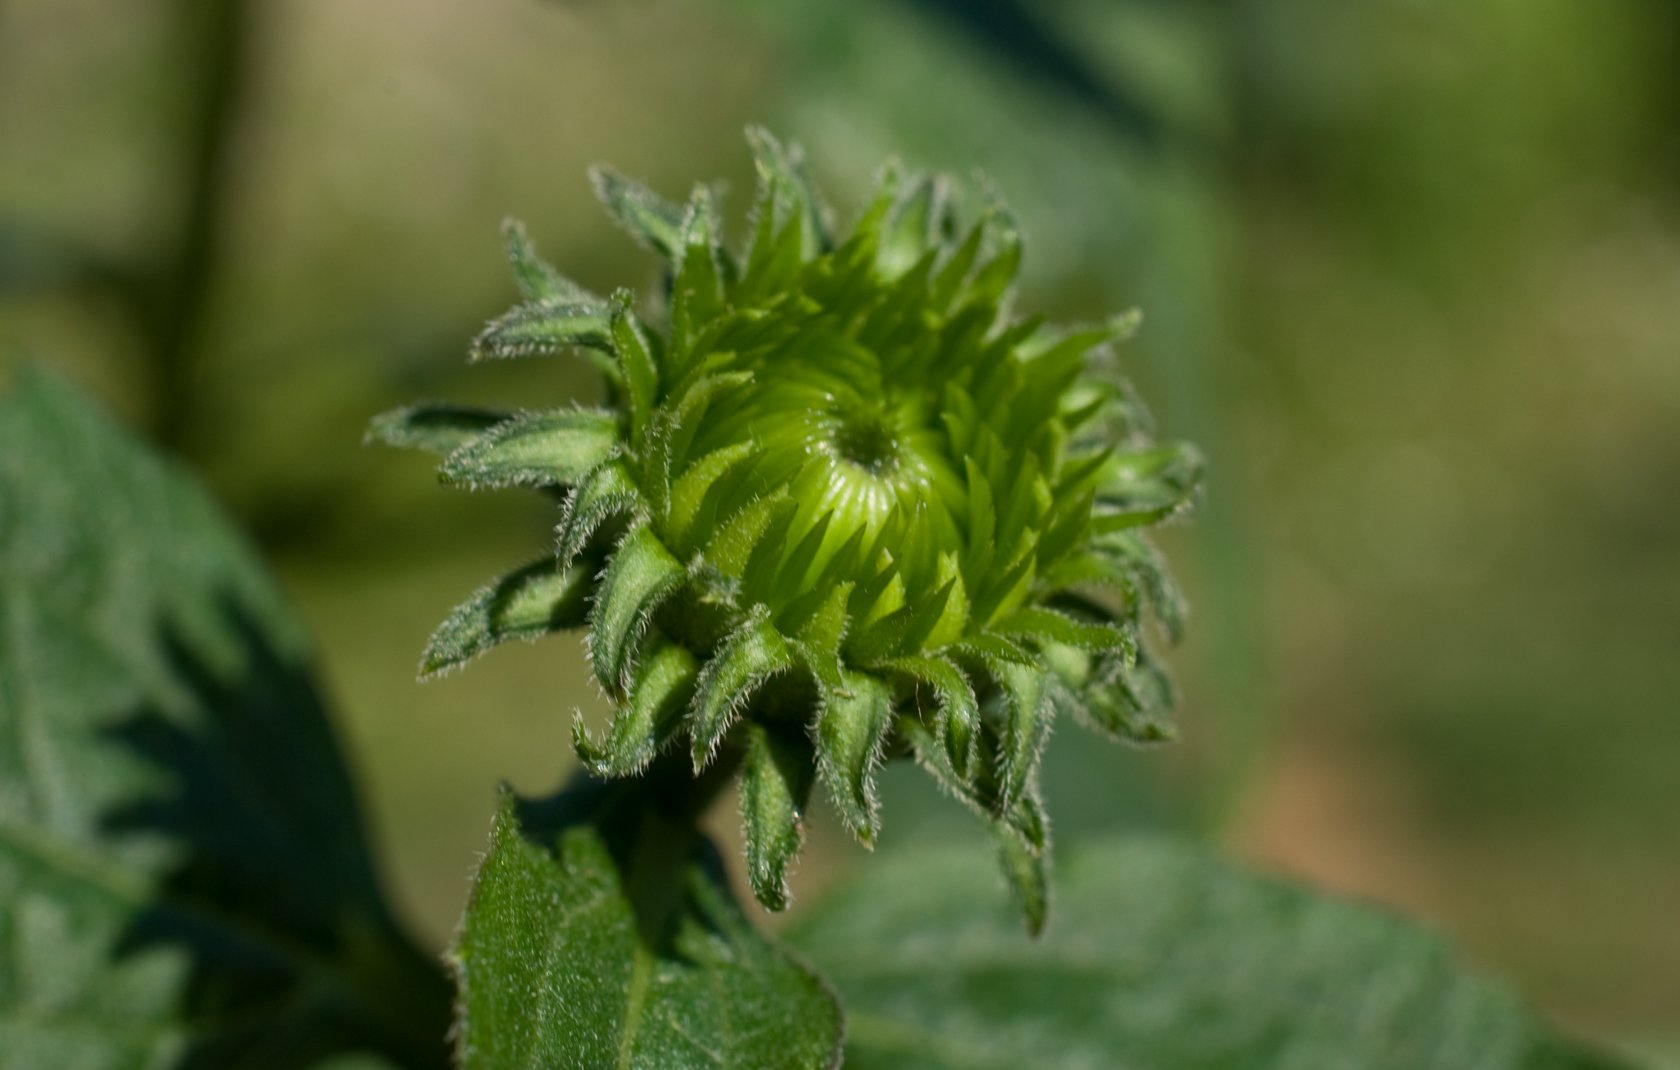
[(214, 46)]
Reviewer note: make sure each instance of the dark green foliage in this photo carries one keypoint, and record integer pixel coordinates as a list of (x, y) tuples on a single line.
[(601, 933), (184, 879), (1160, 958)]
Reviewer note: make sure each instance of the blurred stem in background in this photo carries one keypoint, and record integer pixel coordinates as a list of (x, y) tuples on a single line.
[(211, 51), (172, 289), (162, 290)]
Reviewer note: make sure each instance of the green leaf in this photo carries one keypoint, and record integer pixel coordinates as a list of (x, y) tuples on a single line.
[(601, 933), (1160, 957), (184, 875), (640, 575), (440, 429), (535, 449), (775, 787), (529, 603)]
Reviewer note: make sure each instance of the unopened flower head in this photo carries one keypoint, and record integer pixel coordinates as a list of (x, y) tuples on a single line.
[(842, 504)]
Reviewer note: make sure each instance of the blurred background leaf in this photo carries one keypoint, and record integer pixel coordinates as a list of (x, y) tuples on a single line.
[(1158, 955), (184, 875), (1409, 274)]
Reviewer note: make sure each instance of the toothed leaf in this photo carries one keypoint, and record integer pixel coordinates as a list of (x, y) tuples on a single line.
[(601, 933)]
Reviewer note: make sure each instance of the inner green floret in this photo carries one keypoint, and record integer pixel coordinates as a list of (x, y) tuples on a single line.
[(841, 506)]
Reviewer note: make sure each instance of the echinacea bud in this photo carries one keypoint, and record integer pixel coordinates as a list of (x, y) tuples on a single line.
[(841, 504)]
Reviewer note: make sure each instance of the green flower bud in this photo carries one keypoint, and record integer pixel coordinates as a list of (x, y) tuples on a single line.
[(841, 505)]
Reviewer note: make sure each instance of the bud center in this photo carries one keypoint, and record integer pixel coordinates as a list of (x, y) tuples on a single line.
[(865, 440)]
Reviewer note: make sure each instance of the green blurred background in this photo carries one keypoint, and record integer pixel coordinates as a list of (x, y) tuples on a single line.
[(1411, 275)]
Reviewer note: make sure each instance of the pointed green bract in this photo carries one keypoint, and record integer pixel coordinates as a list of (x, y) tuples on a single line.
[(776, 780), (1036, 622), (640, 574), (544, 327), (754, 652), (851, 729), (605, 492), (438, 429), (535, 449), (1026, 869), (636, 366), (958, 712), (649, 717), (1026, 725), (1147, 486), (860, 496), (537, 280), (648, 217), (528, 603)]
